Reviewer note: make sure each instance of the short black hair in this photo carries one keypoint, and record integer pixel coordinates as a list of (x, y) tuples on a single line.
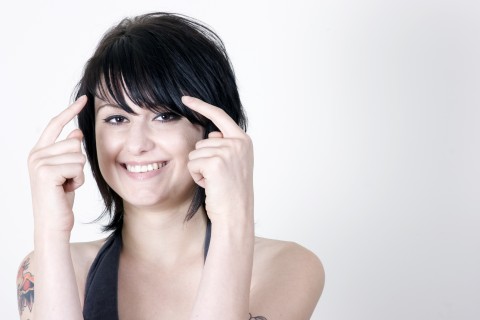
[(154, 59)]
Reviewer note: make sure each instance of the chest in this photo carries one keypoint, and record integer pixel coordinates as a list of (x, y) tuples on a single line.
[(146, 292)]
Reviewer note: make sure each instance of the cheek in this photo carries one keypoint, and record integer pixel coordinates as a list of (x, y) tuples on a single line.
[(177, 147), (190, 139), (106, 149), (193, 135), (183, 141)]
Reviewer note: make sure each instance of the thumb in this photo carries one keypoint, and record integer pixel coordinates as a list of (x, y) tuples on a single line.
[(75, 134), (215, 134)]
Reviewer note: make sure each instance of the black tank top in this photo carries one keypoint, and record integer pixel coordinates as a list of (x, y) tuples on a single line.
[(101, 301)]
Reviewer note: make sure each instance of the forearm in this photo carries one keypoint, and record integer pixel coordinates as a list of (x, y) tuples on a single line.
[(56, 291), (223, 165), (225, 286)]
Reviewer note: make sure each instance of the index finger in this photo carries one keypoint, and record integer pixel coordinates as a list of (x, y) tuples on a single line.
[(56, 125), (219, 117)]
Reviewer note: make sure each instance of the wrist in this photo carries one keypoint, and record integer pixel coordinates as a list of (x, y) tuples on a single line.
[(233, 231), (46, 235)]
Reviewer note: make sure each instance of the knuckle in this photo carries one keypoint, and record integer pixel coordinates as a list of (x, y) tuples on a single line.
[(42, 172), (35, 164), (247, 143), (238, 145), (217, 161), (224, 152), (32, 157), (83, 158), (248, 139), (39, 163), (198, 144), (81, 178), (192, 166)]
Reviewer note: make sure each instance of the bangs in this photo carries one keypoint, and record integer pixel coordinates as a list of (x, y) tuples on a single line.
[(148, 77)]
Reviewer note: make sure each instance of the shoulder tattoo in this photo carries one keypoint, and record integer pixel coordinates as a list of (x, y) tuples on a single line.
[(25, 287)]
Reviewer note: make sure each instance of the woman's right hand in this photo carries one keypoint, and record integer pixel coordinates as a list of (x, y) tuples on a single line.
[(56, 171)]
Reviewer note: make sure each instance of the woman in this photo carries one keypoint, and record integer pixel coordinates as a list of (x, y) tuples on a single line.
[(164, 132)]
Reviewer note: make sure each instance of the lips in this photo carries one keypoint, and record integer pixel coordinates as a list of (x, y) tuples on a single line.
[(147, 167)]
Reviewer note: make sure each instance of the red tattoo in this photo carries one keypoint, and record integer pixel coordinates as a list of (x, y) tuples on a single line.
[(25, 286)]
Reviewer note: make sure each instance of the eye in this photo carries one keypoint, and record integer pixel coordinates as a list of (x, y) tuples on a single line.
[(115, 120), (166, 117)]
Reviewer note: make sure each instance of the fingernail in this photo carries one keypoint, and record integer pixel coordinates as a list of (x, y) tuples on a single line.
[(187, 99)]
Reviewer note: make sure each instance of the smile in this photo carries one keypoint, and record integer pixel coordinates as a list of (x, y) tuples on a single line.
[(145, 167)]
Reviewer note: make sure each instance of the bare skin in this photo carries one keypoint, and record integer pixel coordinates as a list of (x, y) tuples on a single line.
[(162, 272), (286, 268)]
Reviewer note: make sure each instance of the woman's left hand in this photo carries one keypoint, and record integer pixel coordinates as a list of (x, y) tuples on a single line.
[(223, 165)]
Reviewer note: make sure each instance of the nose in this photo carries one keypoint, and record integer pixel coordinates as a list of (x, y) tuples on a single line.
[(139, 138)]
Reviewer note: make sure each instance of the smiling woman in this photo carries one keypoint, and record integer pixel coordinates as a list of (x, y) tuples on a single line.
[(164, 131), (142, 156)]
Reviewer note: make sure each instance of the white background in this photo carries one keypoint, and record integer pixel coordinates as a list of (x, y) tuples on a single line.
[(365, 118)]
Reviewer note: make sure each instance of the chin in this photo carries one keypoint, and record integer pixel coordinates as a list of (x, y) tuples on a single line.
[(153, 198), (145, 201)]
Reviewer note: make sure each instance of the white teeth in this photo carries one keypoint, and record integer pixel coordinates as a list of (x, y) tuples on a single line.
[(145, 168)]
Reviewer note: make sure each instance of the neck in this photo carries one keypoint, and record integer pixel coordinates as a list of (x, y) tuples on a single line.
[(163, 238)]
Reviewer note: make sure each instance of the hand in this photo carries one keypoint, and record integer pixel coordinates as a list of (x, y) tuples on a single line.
[(56, 171), (223, 165)]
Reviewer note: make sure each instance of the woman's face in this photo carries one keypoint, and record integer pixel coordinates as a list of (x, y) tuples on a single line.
[(143, 157)]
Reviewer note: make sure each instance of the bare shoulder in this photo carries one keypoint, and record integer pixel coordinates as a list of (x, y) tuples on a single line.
[(287, 280), (266, 249), (285, 258), (83, 254)]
